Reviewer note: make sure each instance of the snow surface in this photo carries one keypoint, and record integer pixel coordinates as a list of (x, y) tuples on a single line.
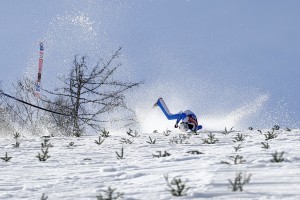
[(83, 171)]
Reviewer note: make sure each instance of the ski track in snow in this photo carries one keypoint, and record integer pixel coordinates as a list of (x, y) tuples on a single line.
[(83, 171)]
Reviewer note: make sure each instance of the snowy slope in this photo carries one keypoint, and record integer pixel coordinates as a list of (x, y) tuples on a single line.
[(83, 170)]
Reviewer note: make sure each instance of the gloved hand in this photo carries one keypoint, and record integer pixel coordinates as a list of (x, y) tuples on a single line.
[(176, 125)]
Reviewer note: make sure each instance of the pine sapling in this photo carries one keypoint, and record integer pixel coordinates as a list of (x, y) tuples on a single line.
[(225, 162), (6, 158), (265, 145), (237, 148), (225, 132), (126, 141), (167, 132), (44, 155), (195, 152), (239, 137), (105, 133), (99, 141), (121, 155), (176, 186), (237, 159), (165, 154), (288, 129), (270, 135), (239, 182), (130, 133), (110, 194), (211, 139), (44, 197), (17, 136), (151, 141), (276, 127), (71, 144), (181, 139), (277, 157), (17, 144)]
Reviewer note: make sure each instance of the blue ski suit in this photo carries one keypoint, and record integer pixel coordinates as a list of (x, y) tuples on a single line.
[(186, 116)]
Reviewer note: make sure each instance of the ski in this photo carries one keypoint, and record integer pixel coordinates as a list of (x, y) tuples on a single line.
[(40, 68)]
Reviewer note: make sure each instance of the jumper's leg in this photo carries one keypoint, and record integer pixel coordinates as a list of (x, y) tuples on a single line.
[(161, 103)]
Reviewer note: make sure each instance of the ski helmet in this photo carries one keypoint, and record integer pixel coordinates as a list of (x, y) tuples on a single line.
[(183, 127)]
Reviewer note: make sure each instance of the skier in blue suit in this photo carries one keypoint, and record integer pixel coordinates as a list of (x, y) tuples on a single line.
[(188, 118)]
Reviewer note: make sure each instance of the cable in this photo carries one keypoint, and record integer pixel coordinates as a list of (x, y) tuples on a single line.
[(16, 99)]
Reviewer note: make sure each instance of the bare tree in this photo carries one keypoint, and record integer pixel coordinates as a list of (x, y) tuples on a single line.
[(89, 93), (60, 123), (5, 120), (27, 117)]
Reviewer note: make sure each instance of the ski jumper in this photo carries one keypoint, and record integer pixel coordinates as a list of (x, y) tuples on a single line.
[(186, 116)]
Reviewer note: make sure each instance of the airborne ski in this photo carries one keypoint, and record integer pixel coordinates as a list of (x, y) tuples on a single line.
[(40, 68)]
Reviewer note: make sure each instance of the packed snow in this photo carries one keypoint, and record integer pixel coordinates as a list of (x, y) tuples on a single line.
[(234, 71), (78, 168)]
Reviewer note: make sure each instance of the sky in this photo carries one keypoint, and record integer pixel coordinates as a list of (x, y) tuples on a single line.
[(231, 62)]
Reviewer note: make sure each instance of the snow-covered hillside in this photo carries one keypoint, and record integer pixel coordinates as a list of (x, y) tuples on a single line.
[(78, 168)]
